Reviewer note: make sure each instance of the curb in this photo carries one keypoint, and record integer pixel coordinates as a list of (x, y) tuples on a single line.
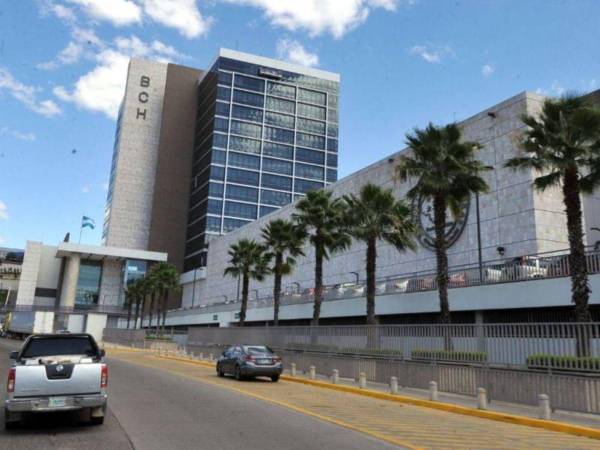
[(559, 427)]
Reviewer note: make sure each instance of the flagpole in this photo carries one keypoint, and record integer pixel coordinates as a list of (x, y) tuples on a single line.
[(81, 228)]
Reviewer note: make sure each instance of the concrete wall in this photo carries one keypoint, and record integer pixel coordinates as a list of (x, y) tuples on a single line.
[(29, 273)]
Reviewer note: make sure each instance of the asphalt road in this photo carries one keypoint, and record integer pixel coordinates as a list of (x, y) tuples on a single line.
[(154, 409)]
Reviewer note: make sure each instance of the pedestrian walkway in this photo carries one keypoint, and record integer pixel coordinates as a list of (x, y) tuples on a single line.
[(405, 425)]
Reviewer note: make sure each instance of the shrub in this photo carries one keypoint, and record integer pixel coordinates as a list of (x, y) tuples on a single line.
[(545, 361), (449, 355)]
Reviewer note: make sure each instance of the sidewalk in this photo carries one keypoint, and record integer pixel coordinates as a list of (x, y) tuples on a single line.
[(403, 424)]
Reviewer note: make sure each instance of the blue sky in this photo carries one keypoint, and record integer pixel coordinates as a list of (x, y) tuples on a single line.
[(403, 63)]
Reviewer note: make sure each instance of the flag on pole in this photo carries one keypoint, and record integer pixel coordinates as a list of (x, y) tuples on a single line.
[(87, 222)]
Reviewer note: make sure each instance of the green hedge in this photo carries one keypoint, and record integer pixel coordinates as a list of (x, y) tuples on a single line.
[(449, 355), (544, 361)]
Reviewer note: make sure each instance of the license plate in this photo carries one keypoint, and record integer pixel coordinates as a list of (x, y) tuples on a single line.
[(264, 361), (57, 402)]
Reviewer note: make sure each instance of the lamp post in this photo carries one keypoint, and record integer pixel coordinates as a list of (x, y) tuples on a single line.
[(356, 275)]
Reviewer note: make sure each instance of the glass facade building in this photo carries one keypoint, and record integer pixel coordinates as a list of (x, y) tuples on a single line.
[(265, 135)]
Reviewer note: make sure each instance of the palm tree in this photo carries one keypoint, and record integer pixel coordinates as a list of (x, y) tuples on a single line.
[(446, 173), (144, 290), (373, 216), (281, 238), (562, 145), (131, 295), (136, 289), (152, 286), (323, 218), (166, 278), (248, 259)]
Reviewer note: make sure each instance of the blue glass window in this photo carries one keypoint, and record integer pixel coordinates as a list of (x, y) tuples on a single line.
[(88, 283), (332, 159), (222, 109), (310, 140), (243, 210), (221, 124), (277, 166), (275, 198), (248, 98), (279, 135), (225, 78), (332, 115), (332, 129), (277, 104), (223, 93), (213, 224), (215, 189), (276, 182), (332, 145), (311, 126), (280, 120), (244, 144), (243, 193), (220, 140), (242, 176), (245, 113), (215, 206), (252, 84), (218, 156), (305, 95), (311, 156), (278, 150), (311, 111), (244, 160), (281, 90), (217, 173), (264, 210), (246, 129), (331, 175), (232, 224), (305, 185), (308, 171)]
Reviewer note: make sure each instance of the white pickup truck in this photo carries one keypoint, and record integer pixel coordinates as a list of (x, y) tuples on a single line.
[(57, 372)]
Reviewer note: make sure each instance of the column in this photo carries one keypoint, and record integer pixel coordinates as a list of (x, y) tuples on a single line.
[(69, 284)]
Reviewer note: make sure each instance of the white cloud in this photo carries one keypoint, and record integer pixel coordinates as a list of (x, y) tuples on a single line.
[(432, 54), (102, 88), (62, 12), (294, 52), (555, 89), (6, 131), (487, 70), (3, 211), (319, 16), (117, 12), (2, 240), (86, 189), (105, 186), (183, 15), (27, 95), (69, 55)]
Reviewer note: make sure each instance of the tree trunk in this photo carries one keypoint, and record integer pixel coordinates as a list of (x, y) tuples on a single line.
[(163, 307), (277, 288), (158, 313), (129, 308), (137, 311), (151, 309), (142, 312), (439, 222), (244, 306), (318, 294), (580, 290), (371, 272)]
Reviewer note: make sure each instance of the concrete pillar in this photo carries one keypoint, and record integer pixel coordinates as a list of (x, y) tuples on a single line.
[(433, 391), (69, 282), (362, 380), (481, 398), (293, 369), (210, 357), (312, 372), (393, 385), (201, 355), (335, 376), (544, 407)]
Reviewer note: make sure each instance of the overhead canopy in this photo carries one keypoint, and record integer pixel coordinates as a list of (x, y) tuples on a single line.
[(99, 253)]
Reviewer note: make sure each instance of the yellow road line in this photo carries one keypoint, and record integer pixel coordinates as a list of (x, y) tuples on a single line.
[(560, 427)]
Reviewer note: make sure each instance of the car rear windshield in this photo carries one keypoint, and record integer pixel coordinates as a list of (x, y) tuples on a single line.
[(60, 346), (257, 350)]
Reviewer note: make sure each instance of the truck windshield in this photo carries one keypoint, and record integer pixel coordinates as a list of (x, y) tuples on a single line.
[(60, 346)]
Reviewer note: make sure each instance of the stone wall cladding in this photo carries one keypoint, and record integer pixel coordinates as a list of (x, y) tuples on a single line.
[(111, 284)]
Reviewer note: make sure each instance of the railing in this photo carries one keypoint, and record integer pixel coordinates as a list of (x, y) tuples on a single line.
[(77, 309), (524, 268)]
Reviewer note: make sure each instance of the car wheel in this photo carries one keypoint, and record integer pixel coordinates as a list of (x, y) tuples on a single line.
[(238, 373), (220, 371), (274, 378)]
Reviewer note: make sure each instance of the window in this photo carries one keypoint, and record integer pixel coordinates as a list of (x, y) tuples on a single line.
[(88, 283), (218, 156), (264, 210), (246, 129), (308, 171), (277, 166), (280, 120), (222, 109), (215, 206), (314, 112), (332, 114), (277, 104), (225, 78), (311, 156), (332, 159), (245, 161), (332, 145), (242, 176), (221, 124), (243, 210), (279, 135), (305, 185), (278, 150), (60, 345), (244, 144), (245, 113), (223, 93), (248, 98), (281, 90), (312, 126), (217, 173), (275, 198), (220, 140), (243, 193), (310, 140), (320, 98), (252, 84), (215, 189), (331, 175), (232, 224), (333, 101), (213, 224), (332, 129), (276, 182)]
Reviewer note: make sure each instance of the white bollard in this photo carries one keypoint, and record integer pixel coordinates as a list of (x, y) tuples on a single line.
[(393, 385), (191, 355), (362, 380), (201, 355), (481, 398), (312, 372), (210, 356), (544, 406), (293, 369), (335, 376), (433, 391)]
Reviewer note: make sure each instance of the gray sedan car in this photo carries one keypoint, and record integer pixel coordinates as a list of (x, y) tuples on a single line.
[(247, 361)]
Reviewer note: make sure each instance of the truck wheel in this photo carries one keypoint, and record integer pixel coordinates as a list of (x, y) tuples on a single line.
[(274, 378)]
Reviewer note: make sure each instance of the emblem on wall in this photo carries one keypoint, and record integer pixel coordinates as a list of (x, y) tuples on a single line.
[(454, 225)]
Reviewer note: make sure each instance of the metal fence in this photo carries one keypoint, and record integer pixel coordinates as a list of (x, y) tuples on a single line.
[(524, 268)]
